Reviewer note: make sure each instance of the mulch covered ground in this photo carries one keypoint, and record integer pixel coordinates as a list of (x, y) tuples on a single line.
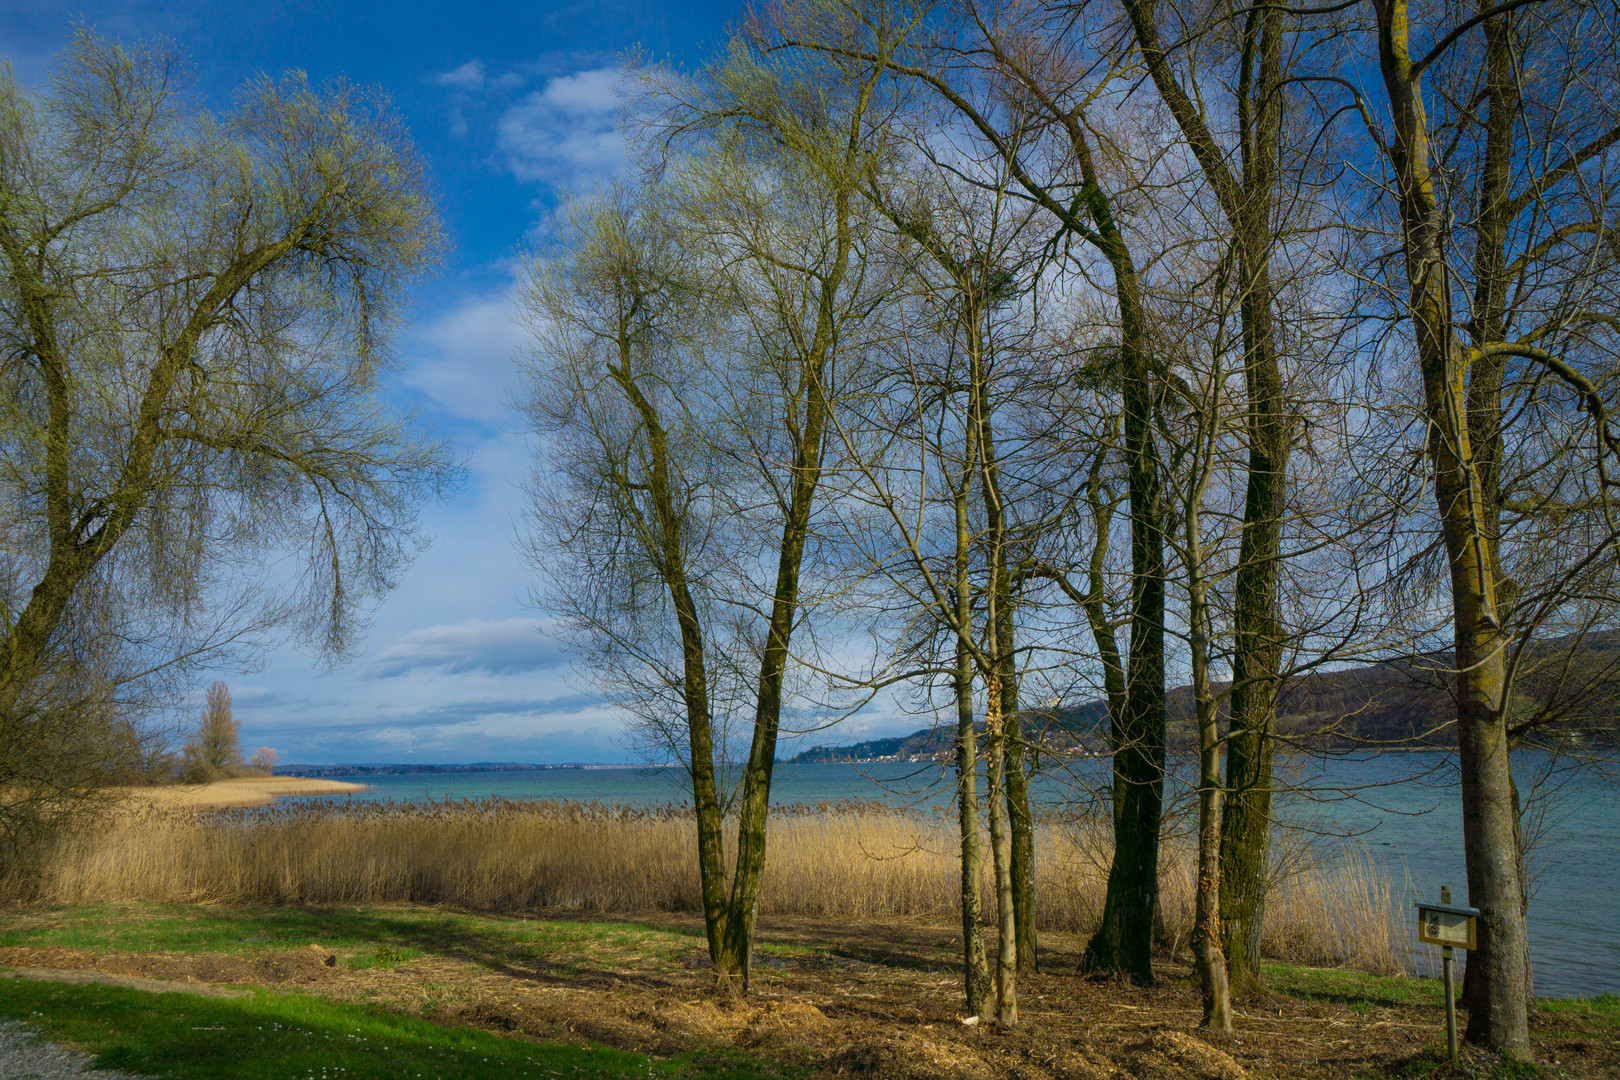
[(877, 999)]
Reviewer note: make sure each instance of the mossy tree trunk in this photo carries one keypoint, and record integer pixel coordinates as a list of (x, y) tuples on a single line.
[(1499, 1019), (1247, 199)]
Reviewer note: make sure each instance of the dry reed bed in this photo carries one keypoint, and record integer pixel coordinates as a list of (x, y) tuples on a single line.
[(237, 792), (848, 860)]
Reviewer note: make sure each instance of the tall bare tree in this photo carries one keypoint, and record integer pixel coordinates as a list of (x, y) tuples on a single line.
[(1525, 242), (935, 404), (194, 312), (1244, 176), (636, 496), (760, 183)]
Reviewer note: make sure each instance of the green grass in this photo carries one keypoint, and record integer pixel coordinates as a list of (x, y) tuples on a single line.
[(278, 1035), (1602, 1011), (362, 938), (1361, 991), (1352, 987), (373, 937)]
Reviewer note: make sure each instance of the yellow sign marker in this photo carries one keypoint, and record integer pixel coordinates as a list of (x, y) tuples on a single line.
[(1439, 926)]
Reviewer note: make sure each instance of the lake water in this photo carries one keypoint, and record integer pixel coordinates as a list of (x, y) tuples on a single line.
[(1403, 807)]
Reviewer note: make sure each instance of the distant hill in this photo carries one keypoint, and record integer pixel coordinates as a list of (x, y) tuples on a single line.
[(1401, 704), (926, 745)]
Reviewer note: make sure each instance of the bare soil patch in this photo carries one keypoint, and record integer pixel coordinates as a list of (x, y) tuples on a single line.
[(877, 999)]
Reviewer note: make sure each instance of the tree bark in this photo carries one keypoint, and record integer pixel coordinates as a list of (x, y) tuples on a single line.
[(665, 544), (754, 805), (975, 969), (1499, 1021), (1005, 656), (1248, 203), (1211, 960), (1123, 942), (1001, 856), (1023, 830), (1487, 370)]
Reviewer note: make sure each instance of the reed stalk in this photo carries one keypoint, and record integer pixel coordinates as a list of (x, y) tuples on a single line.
[(844, 860)]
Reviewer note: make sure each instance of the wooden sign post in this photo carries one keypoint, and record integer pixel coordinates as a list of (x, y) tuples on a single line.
[(1448, 926)]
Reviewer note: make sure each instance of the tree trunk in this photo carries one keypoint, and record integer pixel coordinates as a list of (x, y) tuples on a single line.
[(1487, 371), (1210, 959), (754, 808), (1212, 977), (1248, 203), (998, 631), (1500, 1020), (975, 970), (1023, 833), (1005, 656), (663, 539), (1258, 637), (1245, 838), (1001, 856), (1473, 986), (1123, 942)]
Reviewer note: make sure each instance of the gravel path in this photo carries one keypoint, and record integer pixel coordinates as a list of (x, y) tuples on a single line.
[(25, 1056)]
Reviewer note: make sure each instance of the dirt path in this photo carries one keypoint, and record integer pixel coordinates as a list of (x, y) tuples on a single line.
[(26, 1056)]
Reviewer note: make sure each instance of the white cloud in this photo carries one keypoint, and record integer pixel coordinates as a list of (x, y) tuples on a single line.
[(564, 133), (595, 91), (502, 647), (469, 76), (467, 362)]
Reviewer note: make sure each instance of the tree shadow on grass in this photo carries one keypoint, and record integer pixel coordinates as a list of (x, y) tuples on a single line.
[(534, 951), (187, 1037)]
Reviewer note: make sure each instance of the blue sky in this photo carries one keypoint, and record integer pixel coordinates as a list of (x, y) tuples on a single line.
[(513, 106)]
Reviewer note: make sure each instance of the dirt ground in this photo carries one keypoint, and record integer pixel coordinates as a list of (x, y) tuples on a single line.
[(877, 1000)]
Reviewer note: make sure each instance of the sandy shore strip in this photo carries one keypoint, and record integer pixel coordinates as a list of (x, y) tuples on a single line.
[(243, 791)]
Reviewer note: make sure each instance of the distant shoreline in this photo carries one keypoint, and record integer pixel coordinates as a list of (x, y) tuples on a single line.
[(243, 791), (319, 771), (818, 755)]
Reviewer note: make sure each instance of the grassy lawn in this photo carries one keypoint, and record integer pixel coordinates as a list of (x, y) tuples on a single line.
[(633, 986), (1598, 1012), (362, 938), (188, 1037), (1357, 988), (1349, 987)]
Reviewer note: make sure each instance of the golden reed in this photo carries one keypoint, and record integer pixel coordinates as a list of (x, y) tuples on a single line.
[(848, 860)]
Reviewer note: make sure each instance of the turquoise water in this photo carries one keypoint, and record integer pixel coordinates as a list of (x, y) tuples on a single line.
[(1403, 807)]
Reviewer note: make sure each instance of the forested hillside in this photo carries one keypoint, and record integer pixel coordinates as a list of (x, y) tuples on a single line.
[(1397, 704)]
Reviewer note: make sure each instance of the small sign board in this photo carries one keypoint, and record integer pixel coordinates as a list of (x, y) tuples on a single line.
[(1448, 924)]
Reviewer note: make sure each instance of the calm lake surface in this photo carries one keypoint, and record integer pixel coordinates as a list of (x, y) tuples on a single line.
[(1404, 808)]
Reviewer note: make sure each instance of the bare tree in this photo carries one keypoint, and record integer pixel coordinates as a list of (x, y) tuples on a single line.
[(1244, 177), (214, 751), (1542, 216), (916, 445), (759, 184), (194, 312), (1017, 86), (636, 499)]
